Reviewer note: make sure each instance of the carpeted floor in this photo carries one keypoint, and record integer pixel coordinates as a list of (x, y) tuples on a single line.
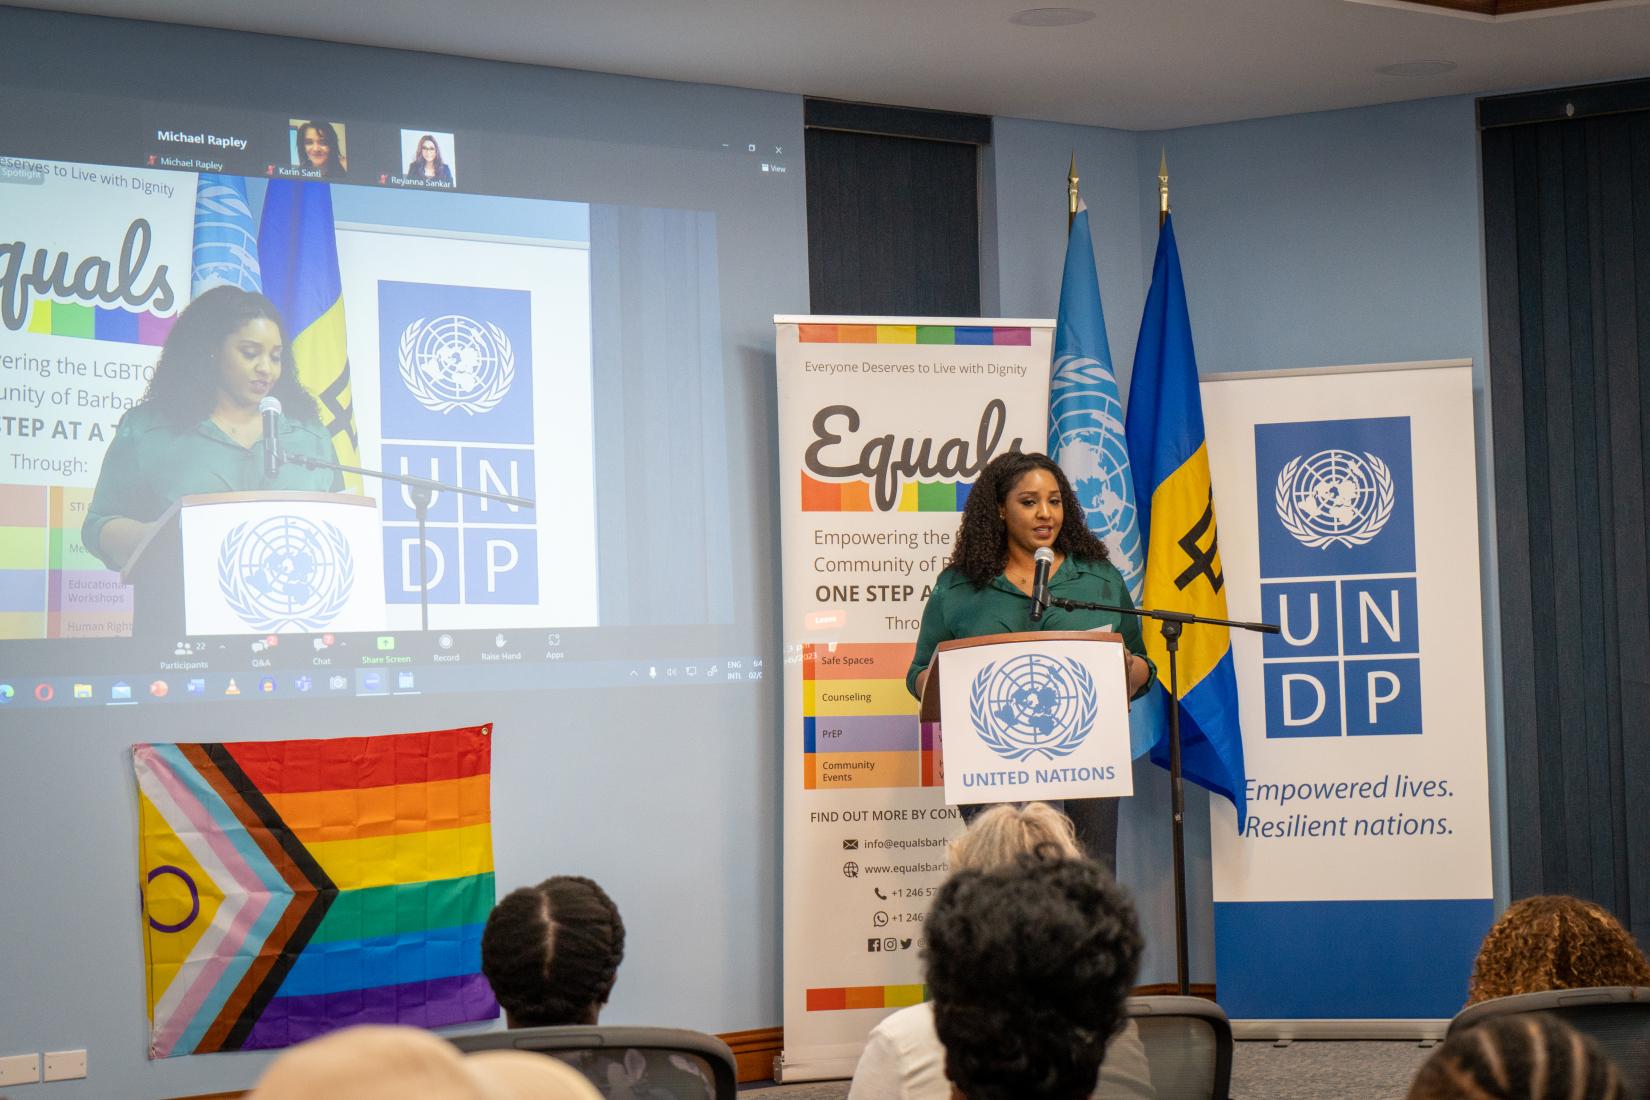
[(1260, 1071)]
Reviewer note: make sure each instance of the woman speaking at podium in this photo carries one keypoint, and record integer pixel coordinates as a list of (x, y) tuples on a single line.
[(198, 428), (1021, 503)]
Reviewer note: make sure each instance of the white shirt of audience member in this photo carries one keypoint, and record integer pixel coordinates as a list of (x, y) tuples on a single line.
[(904, 1060)]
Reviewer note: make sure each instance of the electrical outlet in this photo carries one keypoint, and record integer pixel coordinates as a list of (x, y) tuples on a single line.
[(65, 1065), (20, 1069)]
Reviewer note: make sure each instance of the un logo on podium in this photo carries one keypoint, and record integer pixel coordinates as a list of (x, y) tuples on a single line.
[(456, 362), (285, 573), (1033, 705)]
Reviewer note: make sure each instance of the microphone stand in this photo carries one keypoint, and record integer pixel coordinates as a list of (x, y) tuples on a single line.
[(421, 490), (1171, 624)]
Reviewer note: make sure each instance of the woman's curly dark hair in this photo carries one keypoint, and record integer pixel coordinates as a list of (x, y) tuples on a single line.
[(1029, 966), (982, 539), (1530, 1056), (184, 387), (551, 952), (1553, 941)]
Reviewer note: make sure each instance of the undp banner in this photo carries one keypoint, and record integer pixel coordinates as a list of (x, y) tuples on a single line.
[(1361, 886), (475, 354), (883, 426)]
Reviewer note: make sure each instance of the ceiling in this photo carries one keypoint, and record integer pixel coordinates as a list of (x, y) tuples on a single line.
[(1137, 65)]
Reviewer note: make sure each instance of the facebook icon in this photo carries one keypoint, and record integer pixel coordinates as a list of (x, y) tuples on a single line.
[(1337, 549)]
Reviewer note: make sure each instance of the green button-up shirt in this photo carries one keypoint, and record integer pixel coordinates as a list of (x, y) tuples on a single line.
[(957, 609), (150, 464)]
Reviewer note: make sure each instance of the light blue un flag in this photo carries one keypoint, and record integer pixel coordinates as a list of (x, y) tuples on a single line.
[(226, 241), (1085, 436)]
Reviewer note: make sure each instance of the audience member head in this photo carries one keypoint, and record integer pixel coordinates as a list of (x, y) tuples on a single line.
[(1028, 966), (390, 1063), (1005, 832), (1525, 1057), (1555, 942), (552, 951)]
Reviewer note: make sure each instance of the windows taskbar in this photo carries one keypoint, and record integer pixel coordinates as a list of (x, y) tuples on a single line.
[(403, 679)]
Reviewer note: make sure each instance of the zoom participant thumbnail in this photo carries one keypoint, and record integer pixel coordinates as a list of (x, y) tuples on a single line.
[(317, 149), (194, 140), (431, 160)]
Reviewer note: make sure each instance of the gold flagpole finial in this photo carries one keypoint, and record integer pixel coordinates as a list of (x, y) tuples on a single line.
[(1162, 187), (1071, 190)]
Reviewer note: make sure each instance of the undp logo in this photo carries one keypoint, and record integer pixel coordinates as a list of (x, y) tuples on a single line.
[(1334, 497), (286, 573), (1033, 705), (1337, 562), (456, 362), (448, 359)]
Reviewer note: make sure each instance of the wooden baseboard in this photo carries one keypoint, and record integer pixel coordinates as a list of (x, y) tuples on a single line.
[(754, 1051), (1206, 990)]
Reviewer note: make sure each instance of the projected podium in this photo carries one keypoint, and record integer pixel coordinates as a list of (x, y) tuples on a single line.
[(274, 562), (1034, 716)]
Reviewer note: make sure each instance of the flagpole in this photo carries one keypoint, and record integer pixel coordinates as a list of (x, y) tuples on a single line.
[(1162, 186), (1071, 191)]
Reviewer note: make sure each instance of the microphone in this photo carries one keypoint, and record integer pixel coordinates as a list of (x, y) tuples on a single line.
[(1039, 582), (270, 407)]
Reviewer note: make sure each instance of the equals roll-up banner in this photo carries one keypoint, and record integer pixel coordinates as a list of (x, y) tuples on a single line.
[(884, 425), (1354, 901)]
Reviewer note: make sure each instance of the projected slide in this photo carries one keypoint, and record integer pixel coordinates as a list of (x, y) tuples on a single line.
[(463, 358)]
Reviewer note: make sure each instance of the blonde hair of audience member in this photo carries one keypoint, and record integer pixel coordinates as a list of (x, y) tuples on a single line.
[(391, 1063), (1553, 941), (1003, 833), (1525, 1057)]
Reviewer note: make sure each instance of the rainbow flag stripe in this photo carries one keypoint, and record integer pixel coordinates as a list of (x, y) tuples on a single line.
[(1004, 335), (294, 887), (865, 996), (98, 323), (855, 496), (859, 723)]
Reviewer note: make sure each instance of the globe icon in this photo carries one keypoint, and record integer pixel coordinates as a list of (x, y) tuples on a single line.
[(1334, 493), (289, 568), (457, 358), (1034, 703)]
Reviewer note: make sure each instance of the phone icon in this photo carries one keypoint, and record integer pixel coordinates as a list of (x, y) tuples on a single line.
[(878, 892)]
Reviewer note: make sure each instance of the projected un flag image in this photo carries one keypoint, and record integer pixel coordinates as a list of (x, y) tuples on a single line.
[(1337, 557)]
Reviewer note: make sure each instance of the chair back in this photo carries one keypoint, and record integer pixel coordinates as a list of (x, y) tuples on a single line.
[(626, 1061), (1617, 1018), (1188, 1044)]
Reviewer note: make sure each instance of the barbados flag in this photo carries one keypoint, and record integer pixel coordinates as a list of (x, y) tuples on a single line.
[(293, 887), (298, 251), (1085, 436), (1177, 512)]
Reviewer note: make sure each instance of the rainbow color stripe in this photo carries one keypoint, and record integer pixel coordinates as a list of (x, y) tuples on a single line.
[(865, 996), (122, 326), (50, 587), (988, 335), (855, 496), (859, 723), (294, 887)]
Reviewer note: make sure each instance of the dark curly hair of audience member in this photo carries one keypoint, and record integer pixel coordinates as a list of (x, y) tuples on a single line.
[(982, 539), (1029, 966), (1553, 941), (1525, 1057), (551, 952), (184, 387)]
